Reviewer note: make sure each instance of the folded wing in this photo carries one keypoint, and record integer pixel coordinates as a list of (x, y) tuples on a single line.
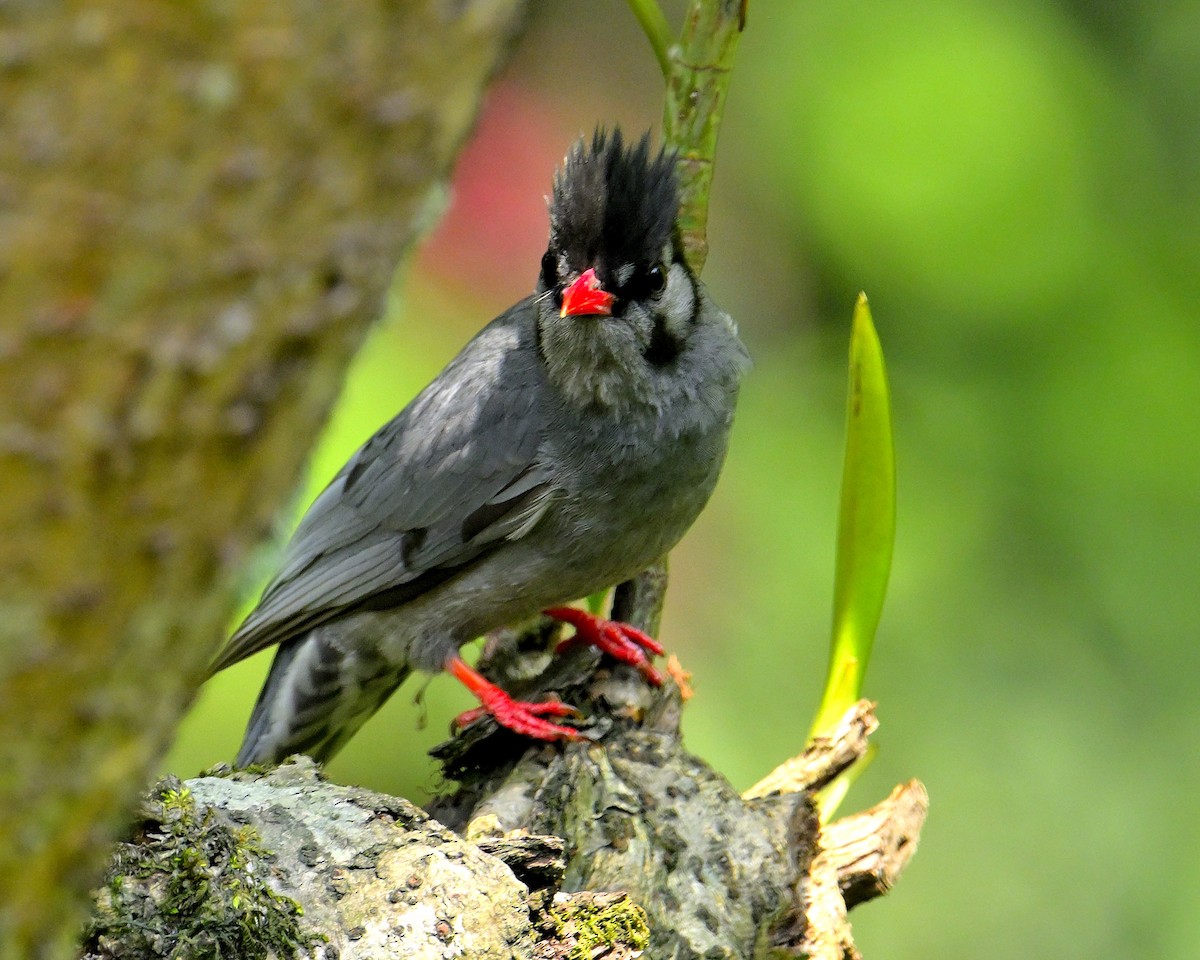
[(456, 473)]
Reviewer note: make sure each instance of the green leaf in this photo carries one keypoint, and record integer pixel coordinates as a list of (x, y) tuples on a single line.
[(867, 522)]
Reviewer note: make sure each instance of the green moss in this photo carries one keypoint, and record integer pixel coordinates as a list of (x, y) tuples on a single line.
[(190, 886), (598, 924)]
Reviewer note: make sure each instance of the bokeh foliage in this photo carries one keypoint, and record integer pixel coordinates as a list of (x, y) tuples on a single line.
[(1016, 185)]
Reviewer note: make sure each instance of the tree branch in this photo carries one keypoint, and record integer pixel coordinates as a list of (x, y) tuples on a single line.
[(633, 814)]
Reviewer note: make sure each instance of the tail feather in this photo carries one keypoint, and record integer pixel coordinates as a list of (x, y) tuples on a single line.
[(315, 698)]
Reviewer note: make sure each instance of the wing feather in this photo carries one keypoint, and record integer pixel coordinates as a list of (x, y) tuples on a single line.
[(440, 485)]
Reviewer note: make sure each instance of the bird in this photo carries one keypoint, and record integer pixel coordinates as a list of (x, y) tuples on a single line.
[(568, 446)]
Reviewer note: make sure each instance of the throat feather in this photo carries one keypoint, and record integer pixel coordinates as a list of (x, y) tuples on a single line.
[(596, 371)]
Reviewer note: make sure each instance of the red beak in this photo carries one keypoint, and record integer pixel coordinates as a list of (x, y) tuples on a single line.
[(585, 297)]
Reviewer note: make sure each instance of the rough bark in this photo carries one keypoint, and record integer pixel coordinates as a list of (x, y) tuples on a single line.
[(718, 874), (632, 813), (201, 208), (221, 867)]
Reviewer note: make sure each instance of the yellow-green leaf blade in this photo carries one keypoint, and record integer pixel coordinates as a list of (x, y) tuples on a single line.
[(867, 521)]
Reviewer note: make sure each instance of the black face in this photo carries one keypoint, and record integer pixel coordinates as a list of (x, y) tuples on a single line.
[(646, 281), (549, 276), (549, 269), (613, 207)]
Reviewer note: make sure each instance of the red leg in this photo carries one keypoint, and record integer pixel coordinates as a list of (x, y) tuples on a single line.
[(619, 640), (524, 718)]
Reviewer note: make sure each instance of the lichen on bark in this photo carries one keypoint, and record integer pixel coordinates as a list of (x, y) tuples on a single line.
[(227, 855), (189, 884), (556, 851)]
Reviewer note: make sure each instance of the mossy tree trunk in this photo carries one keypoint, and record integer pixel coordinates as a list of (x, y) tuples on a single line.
[(201, 208)]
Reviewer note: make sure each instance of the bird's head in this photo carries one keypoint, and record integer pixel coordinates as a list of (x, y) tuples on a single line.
[(616, 301)]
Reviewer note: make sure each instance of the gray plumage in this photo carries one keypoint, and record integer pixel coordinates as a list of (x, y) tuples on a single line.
[(554, 456)]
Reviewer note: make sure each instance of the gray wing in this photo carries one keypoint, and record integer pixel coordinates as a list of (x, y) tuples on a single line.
[(455, 474)]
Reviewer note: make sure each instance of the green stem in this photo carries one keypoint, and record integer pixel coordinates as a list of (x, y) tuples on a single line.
[(697, 70), (697, 83), (654, 25)]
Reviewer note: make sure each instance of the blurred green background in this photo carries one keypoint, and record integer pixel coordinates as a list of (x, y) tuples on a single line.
[(1015, 186)]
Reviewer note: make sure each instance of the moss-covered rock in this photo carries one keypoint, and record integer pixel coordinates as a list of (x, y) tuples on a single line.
[(220, 867), (188, 884)]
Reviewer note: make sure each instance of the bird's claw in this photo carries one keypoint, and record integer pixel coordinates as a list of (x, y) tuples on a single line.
[(523, 717), (619, 640), (518, 715)]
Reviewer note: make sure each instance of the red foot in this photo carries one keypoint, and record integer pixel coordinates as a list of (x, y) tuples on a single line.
[(519, 716), (619, 640)]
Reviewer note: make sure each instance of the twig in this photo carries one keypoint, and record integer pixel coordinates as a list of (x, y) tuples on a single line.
[(871, 849), (825, 756)]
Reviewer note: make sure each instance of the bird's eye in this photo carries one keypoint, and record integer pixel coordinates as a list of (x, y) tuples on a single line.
[(656, 279), (549, 268)]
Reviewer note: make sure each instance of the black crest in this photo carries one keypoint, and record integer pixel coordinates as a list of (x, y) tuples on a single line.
[(613, 204)]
